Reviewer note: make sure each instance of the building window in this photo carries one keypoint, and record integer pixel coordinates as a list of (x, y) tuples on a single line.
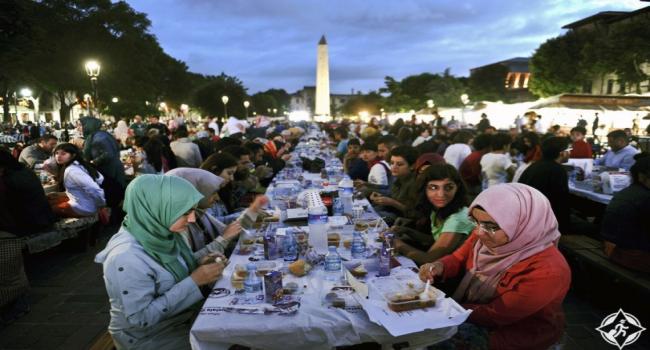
[(610, 86)]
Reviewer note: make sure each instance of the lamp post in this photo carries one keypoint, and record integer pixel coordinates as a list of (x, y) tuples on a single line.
[(275, 112), (225, 99), (92, 69), (246, 105), (115, 100), (465, 100)]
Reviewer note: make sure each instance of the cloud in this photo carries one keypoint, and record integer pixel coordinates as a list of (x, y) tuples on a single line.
[(273, 43)]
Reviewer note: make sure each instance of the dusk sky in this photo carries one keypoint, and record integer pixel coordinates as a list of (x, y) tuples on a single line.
[(272, 43)]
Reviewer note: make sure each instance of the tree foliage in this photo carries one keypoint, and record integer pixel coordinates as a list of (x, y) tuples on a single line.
[(565, 63), (207, 98), (413, 92), (371, 103), (52, 39), (487, 83)]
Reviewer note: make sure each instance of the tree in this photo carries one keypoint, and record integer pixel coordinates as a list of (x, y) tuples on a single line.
[(18, 41), (413, 91), (207, 98), (487, 83), (262, 102), (281, 97), (629, 41), (370, 103), (445, 90), (556, 65)]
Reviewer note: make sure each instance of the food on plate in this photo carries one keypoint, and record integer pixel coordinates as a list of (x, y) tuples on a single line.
[(290, 288), (359, 271), (299, 268), (399, 302), (361, 226), (248, 241)]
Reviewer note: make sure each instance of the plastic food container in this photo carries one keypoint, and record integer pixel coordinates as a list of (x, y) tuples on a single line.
[(401, 301)]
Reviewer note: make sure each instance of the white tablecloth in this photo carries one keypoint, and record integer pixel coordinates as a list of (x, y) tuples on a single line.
[(314, 326), (591, 195)]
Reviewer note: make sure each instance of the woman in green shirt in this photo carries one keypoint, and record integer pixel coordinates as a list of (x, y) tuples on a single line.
[(442, 198)]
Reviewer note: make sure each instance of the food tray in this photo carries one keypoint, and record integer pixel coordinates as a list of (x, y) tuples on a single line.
[(401, 292)]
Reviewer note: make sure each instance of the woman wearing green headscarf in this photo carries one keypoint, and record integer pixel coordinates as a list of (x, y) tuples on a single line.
[(151, 276)]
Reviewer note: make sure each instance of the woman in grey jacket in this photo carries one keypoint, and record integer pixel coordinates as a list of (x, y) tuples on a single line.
[(151, 276), (209, 235)]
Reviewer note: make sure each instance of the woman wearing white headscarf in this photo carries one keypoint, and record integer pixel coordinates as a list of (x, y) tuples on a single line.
[(208, 235), (121, 132), (515, 277)]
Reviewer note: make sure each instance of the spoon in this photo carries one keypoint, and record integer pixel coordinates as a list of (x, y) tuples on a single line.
[(425, 295)]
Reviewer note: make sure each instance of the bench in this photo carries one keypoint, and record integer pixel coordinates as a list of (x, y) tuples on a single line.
[(63, 229), (588, 253)]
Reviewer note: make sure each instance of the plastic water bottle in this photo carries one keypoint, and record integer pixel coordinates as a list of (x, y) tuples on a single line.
[(358, 248), (253, 285), (346, 191), (384, 259), (317, 219), (337, 207), (290, 246), (332, 264)]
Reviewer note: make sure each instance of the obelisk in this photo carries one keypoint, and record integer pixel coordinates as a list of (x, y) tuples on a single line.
[(322, 80)]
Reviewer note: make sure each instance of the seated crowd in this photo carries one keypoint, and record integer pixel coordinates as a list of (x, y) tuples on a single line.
[(449, 199)]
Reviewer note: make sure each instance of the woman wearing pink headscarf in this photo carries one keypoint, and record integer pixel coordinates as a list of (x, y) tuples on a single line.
[(516, 278)]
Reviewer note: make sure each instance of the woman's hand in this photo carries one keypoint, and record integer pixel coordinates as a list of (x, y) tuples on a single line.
[(383, 200), (212, 257), (431, 271), (232, 230), (398, 245), (258, 203), (208, 273)]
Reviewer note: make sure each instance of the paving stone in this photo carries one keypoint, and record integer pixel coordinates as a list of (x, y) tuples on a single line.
[(19, 342), (79, 307), (50, 342), (82, 338), (583, 318)]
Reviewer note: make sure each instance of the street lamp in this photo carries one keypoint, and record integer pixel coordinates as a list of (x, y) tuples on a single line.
[(275, 112), (225, 99), (92, 69), (430, 104), (26, 92), (246, 105), (115, 100)]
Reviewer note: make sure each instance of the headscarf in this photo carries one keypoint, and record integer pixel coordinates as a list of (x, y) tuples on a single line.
[(152, 204), (526, 217), (121, 132), (203, 181), (428, 158), (90, 126)]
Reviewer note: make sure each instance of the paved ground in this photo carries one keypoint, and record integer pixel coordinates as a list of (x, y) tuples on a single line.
[(70, 307)]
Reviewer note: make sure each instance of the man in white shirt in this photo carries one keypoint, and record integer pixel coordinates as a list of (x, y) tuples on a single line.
[(379, 168), (456, 153), (496, 166), (621, 154)]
